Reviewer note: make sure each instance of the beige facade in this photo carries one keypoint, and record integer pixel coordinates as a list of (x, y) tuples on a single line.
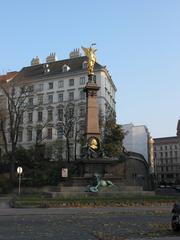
[(167, 159)]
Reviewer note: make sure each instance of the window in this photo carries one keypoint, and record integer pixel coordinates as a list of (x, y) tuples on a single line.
[(49, 133), (71, 82), (41, 87), (13, 91), (82, 80), (71, 112), (40, 99), (82, 112), (39, 134), (175, 153), (30, 88), (60, 114), (30, 102), (29, 135), (94, 78), (84, 65), (71, 96), (60, 133), (22, 89), (171, 154), (161, 154), (60, 97), (20, 136), (65, 68), (40, 116), (50, 85), (50, 115), (50, 98), (71, 151), (82, 127), (21, 118), (71, 132), (82, 94), (30, 117), (61, 84)]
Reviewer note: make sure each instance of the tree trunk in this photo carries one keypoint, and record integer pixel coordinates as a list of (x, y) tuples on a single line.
[(67, 150), (12, 168)]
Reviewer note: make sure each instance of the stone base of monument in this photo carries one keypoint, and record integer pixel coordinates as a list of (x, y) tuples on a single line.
[(77, 187), (111, 191), (121, 174), (104, 167)]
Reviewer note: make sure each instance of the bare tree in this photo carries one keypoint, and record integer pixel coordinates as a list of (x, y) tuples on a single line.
[(15, 104), (68, 125)]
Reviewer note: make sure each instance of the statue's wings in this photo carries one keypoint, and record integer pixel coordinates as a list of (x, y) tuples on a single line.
[(86, 51)]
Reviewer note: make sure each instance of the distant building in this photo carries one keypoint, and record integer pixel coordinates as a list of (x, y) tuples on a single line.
[(137, 139), (167, 158)]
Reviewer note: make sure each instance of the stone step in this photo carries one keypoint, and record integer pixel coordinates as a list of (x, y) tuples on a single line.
[(102, 194), (83, 188)]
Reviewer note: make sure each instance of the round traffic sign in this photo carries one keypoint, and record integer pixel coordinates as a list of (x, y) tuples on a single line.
[(19, 170)]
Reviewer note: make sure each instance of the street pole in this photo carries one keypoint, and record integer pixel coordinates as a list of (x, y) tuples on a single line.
[(19, 171), (19, 192)]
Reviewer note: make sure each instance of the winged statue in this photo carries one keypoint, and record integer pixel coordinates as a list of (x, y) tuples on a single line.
[(90, 53)]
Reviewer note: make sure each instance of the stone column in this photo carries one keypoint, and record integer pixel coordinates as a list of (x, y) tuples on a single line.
[(92, 110)]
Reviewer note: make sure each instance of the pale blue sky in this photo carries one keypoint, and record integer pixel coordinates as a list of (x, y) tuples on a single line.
[(138, 41)]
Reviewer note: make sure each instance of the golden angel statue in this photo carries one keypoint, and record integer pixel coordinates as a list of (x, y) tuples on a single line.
[(90, 53)]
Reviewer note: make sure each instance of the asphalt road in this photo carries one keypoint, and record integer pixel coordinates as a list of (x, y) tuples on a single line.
[(87, 223)]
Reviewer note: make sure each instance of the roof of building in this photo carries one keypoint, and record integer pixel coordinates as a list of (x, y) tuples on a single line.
[(166, 140), (8, 76), (53, 68)]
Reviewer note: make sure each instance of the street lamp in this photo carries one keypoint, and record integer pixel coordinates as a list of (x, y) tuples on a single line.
[(19, 172)]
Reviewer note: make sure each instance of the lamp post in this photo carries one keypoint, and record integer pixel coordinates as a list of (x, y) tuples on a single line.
[(19, 171)]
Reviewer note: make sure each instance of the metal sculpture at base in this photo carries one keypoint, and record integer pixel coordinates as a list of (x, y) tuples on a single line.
[(97, 183)]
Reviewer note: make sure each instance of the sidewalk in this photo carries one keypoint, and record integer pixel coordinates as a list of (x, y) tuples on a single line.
[(158, 238)]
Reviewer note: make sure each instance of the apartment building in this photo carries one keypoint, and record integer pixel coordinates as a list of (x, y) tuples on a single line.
[(167, 158), (53, 86), (137, 139)]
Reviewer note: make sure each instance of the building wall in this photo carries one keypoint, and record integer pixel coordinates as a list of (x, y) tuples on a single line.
[(136, 139), (54, 90), (167, 160), (137, 171)]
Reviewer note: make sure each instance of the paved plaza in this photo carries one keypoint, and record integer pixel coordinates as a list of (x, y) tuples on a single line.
[(87, 223)]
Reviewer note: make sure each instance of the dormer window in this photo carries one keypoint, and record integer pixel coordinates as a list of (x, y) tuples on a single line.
[(84, 65), (65, 68)]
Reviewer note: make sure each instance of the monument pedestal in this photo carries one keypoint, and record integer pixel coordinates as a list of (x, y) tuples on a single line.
[(92, 111), (106, 168)]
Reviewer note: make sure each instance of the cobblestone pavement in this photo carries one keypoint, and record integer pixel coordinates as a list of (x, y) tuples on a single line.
[(87, 223)]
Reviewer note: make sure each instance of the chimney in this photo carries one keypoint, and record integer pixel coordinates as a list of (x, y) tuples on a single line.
[(75, 53), (51, 58), (35, 61)]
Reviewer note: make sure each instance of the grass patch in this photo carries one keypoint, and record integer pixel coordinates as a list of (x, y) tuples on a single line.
[(90, 201)]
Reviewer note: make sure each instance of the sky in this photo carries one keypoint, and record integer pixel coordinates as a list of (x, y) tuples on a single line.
[(138, 41)]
